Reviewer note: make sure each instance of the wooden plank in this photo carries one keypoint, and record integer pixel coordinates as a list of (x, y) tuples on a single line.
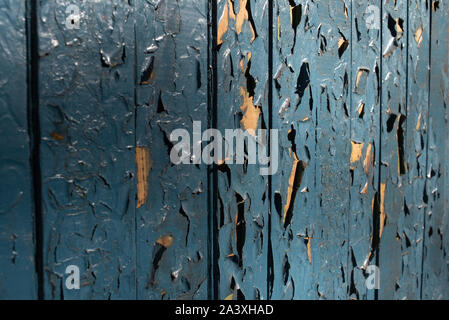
[(292, 270), (393, 167), (242, 213), (312, 97), (88, 159), (365, 136), (393, 113), (172, 215), (18, 278), (436, 241), (411, 220), (329, 238), (404, 90)]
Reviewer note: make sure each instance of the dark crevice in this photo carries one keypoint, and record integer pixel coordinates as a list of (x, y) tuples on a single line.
[(390, 122), (270, 260), (212, 85), (184, 214), (376, 205), (425, 197), (34, 131), (198, 75), (400, 133), (296, 14), (291, 137), (160, 105), (250, 82), (240, 227), (286, 269), (278, 203), (250, 18), (302, 82)]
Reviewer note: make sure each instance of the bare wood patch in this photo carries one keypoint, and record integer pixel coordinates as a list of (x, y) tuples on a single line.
[(144, 165)]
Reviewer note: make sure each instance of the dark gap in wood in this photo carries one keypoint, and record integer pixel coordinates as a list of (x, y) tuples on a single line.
[(270, 260), (34, 132), (376, 215), (351, 170), (212, 85), (240, 227), (430, 7)]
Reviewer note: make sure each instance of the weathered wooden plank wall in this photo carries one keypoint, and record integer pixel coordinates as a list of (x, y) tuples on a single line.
[(357, 90)]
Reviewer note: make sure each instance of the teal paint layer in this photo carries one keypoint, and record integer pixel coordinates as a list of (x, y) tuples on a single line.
[(17, 251)]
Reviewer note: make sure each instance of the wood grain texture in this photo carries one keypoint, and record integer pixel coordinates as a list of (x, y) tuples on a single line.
[(171, 83), (88, 157), (18, 279)]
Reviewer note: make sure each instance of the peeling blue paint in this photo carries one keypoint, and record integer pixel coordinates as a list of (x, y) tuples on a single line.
[(360, 104)]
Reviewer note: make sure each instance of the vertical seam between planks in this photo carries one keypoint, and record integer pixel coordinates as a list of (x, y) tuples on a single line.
[(34, 136), (428, 131), (270, 126), (209, 194), (407, 91), (213, 251), (350, 135), (406, 68), (376, 218)]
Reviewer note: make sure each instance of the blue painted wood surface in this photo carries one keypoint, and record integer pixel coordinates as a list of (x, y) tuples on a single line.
[(242, 204), (18, 278), (357, 89), (435, 256), (87, 112), (365, 134), (171, 93)]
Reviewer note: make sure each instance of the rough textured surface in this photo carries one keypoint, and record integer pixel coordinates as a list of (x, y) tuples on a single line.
[(393, 167), (405, 62), (435, 271), (360, 102), (88, 156), (242, 213), (311, 194), (17, 273), (365, 132), (171, 78)]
